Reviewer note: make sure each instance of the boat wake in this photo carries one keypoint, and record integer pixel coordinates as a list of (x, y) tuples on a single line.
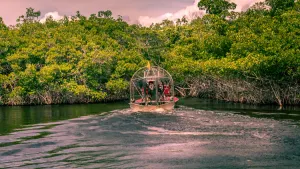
[(182, 138)]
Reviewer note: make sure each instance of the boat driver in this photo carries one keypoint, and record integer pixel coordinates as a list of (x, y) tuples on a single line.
[(151, 91)]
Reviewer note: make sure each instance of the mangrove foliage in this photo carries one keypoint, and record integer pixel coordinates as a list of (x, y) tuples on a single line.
[(250, 57)]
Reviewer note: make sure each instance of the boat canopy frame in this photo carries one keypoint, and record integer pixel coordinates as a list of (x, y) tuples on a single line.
[(151, 86)]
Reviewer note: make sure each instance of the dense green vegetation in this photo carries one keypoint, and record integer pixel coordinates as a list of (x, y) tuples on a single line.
[(251, 57)]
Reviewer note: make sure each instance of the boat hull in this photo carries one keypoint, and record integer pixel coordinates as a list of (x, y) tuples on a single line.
[(150, 108)]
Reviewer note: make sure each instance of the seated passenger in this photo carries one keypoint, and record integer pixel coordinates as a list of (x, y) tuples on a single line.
[(161, 91), (167, 90), (151, 92)]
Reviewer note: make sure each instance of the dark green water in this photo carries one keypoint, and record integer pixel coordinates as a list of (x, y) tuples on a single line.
[(197, 134)]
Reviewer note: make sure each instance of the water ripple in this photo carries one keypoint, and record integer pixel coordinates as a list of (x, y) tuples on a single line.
[(184, 138)]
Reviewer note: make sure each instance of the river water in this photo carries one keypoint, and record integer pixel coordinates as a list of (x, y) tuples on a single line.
[(197, 134)]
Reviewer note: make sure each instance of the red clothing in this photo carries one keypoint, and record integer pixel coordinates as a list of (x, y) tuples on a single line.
[(167, 90)]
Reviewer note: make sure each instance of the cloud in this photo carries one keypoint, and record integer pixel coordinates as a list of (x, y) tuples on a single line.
[(191, 12), (244, 4), (10, 10), (145, 12), (54, 15)]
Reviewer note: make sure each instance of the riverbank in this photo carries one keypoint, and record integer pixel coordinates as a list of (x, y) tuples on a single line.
[(242, 91), (204, 91), (71, 101)]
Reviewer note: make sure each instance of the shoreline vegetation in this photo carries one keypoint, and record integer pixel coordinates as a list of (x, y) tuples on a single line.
[(248, 57)]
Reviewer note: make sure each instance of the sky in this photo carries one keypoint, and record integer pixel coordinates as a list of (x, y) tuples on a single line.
[(144, 12)]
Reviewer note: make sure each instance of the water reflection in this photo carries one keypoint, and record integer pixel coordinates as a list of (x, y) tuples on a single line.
[(258, 111), (185, 138), (15, 117)]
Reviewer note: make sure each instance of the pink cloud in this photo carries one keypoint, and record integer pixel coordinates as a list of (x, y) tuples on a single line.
[(190, 12)]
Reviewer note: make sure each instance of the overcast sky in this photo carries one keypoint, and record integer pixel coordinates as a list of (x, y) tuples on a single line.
[(142, 11)]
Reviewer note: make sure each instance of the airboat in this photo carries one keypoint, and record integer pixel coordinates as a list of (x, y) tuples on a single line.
[(152, 89)]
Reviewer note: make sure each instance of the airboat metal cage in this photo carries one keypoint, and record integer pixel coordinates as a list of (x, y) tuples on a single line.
[(151, 86)]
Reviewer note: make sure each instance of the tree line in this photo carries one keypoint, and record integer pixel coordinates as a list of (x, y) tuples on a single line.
[(250, 57)]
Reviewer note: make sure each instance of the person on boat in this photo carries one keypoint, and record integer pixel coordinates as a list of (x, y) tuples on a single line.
[(167, 90), (142, 86), (161, 90), (151, 90), (144, 89)]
